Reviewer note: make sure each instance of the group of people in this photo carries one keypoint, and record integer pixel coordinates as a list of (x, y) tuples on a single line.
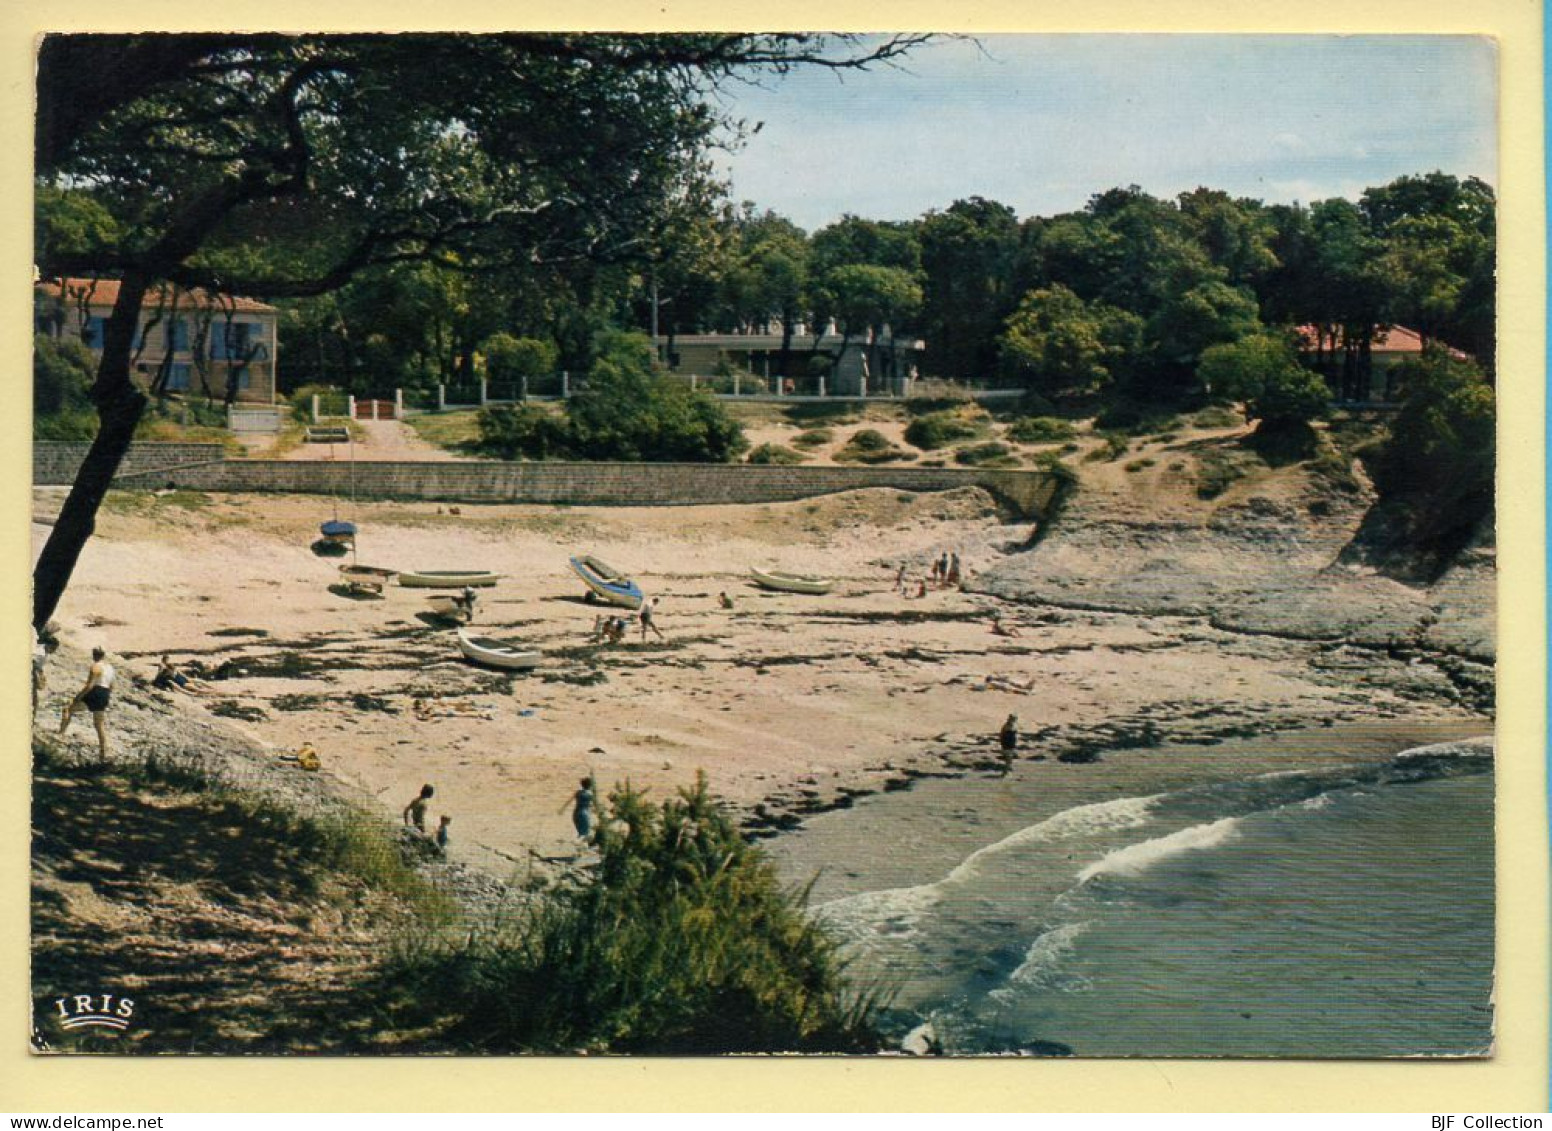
[(944, 574), (613, 629), (415, 816)]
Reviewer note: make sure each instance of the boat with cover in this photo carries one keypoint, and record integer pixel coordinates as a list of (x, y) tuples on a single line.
[(605, 582), (496, 653), (339, 532), (447, 578), (791, 582)]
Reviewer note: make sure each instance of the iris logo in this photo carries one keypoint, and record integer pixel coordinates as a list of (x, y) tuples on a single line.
[(95, 1011)]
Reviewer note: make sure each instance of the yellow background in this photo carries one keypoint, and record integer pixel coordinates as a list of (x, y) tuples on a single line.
[(1516, 1079)]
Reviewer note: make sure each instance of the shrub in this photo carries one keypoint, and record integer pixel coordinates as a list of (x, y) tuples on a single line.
[(332, 401), (62, 374), (1135, 418), (982, 455), (1220, 468), (1217, 416), (813, 438), (1437, 465), (522, 432), (1039, 429), (1264, 372), (628, 412), (1138, 465), (1114, 447), (945, 427), (870, 446), (774, 454), (510, 359), (680, 939)]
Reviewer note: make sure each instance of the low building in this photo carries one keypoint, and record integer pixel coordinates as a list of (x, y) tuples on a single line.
[(1390, 345), (831, 365), (201, 342)]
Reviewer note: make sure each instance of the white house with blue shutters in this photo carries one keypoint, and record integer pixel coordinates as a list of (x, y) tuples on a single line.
[(191, 342)]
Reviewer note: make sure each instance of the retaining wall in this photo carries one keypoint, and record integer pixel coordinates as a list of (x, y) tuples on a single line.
[(580, 484), (55, 462)]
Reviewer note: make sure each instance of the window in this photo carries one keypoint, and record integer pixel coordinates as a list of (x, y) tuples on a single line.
[(94, 331), (177, 335), (178, 376), (232, 341)]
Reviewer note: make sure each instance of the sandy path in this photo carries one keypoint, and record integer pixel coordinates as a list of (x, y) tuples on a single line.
[(380, 440), (785, 699)]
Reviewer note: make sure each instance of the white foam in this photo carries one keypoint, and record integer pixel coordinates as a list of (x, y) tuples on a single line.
[(896, 911), (1135, 858), (1319, 801), (1470, 748), (1040, 969)]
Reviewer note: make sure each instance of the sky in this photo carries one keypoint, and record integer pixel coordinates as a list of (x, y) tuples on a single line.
[(1042, 122)]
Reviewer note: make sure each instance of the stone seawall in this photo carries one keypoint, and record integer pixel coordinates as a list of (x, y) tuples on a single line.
[(198, 467)]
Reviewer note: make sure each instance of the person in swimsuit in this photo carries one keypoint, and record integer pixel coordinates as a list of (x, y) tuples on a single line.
[(94, 697), (647, 622), (415, 811), (1008, 736), (169, 678)]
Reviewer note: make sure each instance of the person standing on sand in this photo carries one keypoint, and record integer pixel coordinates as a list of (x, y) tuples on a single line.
[(442, 835), (647, 622), (1009, 734), (953, 570), (900, 579), (582, 811), (724, 600), (415, 811), (94, 697), (39, 663), (942, 572)]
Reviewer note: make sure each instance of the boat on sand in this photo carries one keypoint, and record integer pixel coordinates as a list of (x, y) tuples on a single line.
[(448, 578), (497, 653), (791, 582), (366, 579), (605, 582)]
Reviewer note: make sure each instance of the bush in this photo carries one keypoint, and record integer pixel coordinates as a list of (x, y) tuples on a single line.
[(1217, 416), (992, 453), (1114, 447), (628, 412), (1039, 429), (1437, 465), (870, 446), (774, 454), (1219, 468), (509, 359), (948, 426), (813, 438), (62, 374), (332, 401), (680, 939), (1136, 418), (1264, 372), (522, 432)]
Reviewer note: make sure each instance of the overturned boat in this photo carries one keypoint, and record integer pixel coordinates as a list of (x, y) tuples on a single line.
[(606, 583)]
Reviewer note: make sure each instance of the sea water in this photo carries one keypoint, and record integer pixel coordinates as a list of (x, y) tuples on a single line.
[(1345, 911)]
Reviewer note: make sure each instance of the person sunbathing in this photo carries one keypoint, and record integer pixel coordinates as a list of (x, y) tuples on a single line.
[(169, 678), (1000, 629)]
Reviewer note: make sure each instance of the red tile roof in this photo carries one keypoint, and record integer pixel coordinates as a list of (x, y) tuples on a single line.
[(105, 292), (1387, 339)]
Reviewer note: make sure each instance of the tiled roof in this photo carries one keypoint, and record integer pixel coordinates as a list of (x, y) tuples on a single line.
[(1387, 339), (105, 292)]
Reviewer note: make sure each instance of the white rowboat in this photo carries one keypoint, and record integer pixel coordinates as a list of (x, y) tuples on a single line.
[(494, 653), (792, 582), (448, 578)]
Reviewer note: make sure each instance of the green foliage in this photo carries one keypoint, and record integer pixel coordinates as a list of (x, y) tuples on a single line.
[(813, 438), (775, 454), (1134, 417), (1263, 371), (990, 454), (509, 359), (627, 412), (1040, 429), (1220, 468), (1192, 321), (1056, 343), (868, 445), (332, 401), (1217, 416), (1114, 446), (62, 375), (948, 426), (522, 432), (680, 939), (1437, 465)]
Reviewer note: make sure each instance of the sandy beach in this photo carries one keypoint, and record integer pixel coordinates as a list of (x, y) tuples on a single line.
[(789, 704)]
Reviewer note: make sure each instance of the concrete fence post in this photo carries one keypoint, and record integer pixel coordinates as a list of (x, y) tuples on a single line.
[(398, 403), (350, 406), (565, 385), (821, 385), (315, 408), (441, 397), (693, 379), (735, 384), (484, 392), (522, 387)]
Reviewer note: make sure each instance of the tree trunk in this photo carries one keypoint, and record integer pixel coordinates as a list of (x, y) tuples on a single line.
[(119, 407)]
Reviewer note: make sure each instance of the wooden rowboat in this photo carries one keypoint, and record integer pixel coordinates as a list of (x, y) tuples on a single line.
[(606, 583), (494, 653), (366, 579), (443, 605), (448, 578), (791, 582)]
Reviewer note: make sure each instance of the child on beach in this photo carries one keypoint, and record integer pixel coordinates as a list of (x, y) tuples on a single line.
[(582, 811), (442, 835), (647, 621), (952, 578), (94, 697), (724, 600), (415, 811), (900, 580), (1009, 735)]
